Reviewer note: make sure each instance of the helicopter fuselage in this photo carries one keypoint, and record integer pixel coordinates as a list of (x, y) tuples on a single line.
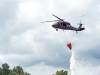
[(61, 24), (65, 26)]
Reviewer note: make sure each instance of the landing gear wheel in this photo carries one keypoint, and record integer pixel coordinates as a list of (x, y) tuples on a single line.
[(56, 29)]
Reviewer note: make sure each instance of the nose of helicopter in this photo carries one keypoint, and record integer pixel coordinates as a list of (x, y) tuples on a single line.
[(53, 26)]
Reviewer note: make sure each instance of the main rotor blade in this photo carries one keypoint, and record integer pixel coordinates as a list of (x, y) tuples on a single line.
[(50, 21), (80, 21), (76, 17), (57, 17)]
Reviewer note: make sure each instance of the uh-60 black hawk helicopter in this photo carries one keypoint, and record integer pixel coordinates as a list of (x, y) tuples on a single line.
[(61, 24)]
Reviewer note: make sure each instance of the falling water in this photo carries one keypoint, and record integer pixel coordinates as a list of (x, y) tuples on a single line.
[(72, 64), (83, 68)]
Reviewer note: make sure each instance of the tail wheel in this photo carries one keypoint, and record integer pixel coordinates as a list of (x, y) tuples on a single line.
[(56, 29)]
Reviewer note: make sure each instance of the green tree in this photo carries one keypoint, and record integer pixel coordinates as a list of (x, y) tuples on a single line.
[(61, 72), (5, 68), (14, 69), (11, 72), (25, 73), (16, 74), (18, 70), (1, 71)]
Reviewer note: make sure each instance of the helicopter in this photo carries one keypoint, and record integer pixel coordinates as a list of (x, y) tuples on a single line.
[(64, 25)]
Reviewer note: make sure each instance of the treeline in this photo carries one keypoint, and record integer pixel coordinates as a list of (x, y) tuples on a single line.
[(5, 70), (61, 72)]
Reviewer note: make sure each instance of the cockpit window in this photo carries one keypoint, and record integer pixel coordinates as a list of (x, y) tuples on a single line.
[(64, 23), (68, 23)]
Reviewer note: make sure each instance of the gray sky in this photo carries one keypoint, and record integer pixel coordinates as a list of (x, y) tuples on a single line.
[(38, 47)]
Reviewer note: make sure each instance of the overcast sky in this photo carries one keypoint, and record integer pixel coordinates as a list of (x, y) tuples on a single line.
[(39, 48)]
